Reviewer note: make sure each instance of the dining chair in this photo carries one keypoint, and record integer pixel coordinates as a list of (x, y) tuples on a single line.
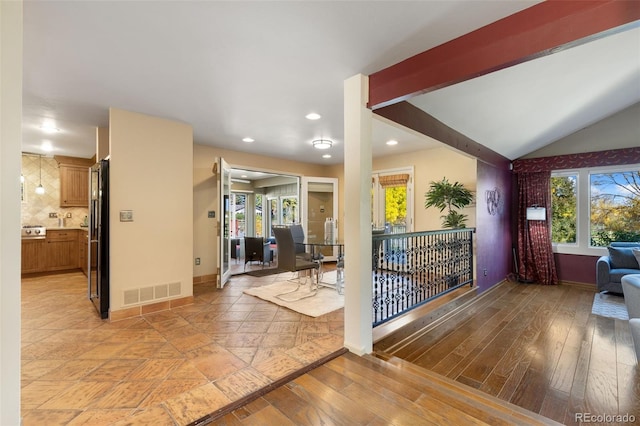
[(256, 250), (297, 231), (289, 261)]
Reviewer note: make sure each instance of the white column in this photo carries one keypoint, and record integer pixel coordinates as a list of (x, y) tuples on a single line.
[(358, 336), (10, 163)]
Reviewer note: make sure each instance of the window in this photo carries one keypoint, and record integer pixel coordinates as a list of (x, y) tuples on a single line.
[(614, 201), (590, 208), (564, 210), (289, 209), (391, 200), (259, 214), (238, 209)]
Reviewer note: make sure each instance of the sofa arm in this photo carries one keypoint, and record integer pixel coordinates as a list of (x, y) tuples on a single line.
[(603, 268)]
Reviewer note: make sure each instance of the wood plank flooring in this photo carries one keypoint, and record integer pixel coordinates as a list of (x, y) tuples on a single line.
[(538, 347), (352, 390)]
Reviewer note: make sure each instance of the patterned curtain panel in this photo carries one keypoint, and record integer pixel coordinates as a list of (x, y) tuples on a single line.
[(535, 253)]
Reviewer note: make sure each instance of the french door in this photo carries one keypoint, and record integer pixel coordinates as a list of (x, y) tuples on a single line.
[(223, 242)]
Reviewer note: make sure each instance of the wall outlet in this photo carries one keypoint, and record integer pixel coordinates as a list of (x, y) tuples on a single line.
[(69, 215), (197, 260), (211, 214), (126, 215), (53, 215), (485, 271)]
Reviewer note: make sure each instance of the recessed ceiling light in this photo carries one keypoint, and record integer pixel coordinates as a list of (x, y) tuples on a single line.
[(322, 143), (46, 146), (392, 142), (326, 156), (248, 140), (243, 176), (313, 116)]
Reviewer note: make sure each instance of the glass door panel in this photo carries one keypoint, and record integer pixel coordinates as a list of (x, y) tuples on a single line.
[(224, 224)]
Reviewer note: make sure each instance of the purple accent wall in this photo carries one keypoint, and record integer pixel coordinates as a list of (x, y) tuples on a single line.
[(493, 225), (576, 268)]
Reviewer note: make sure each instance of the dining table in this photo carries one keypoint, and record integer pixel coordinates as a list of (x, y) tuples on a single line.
[(316, 245)]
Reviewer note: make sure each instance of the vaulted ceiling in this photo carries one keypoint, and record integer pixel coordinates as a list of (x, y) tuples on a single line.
[(255, 69)]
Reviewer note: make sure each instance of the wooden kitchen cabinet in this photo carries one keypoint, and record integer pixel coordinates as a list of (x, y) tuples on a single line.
[(74, 180), (74, 186), (61, 250), (33, 256)]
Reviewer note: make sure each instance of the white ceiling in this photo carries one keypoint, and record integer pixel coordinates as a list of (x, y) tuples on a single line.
[(238, 69)]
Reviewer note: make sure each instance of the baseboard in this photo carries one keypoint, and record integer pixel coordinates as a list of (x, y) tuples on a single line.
[(205, 279), (583, 286)]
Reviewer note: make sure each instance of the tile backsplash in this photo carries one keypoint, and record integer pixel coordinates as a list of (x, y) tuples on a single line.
[(36, 207)]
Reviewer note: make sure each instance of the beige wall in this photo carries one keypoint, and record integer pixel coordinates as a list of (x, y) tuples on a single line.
[(205, 194), (432, 165), (429, 165), (151, 173)]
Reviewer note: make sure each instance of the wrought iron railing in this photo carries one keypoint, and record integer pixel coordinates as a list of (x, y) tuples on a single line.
[(413, 268)]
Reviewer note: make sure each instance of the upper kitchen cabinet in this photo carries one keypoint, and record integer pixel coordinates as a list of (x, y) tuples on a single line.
[(74, 181)]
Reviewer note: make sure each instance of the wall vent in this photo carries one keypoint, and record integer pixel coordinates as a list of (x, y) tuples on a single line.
[(175, 289), (146, 294), (131, 296), (162, 290)]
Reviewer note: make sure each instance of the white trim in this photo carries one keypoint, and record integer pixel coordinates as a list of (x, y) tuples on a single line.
[(378, 201), (583, 189)]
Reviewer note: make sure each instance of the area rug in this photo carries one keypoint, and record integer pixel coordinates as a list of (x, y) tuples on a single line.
[(264, 272), (610, 306), (324, 301)]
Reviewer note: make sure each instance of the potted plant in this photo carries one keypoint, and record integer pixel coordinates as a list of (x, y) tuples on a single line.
[(446, 195)]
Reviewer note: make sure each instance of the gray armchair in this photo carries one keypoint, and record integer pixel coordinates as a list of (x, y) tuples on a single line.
[(256, 250), (631, 289), (620, 262)]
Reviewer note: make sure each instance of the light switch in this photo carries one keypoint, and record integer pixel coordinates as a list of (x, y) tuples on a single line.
[(126, 215)]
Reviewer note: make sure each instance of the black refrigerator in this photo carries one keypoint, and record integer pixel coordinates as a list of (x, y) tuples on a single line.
[(98, 255)]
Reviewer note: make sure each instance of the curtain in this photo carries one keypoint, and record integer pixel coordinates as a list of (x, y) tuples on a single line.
[(535, 253)]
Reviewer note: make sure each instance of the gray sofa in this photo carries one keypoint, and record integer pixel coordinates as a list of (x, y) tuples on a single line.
[(620, 262), (631, 288)]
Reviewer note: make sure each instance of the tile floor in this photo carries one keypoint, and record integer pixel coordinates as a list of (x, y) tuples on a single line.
[(166, 368)]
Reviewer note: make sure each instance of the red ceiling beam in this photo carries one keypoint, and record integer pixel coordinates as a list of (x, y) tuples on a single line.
[(534, 32)]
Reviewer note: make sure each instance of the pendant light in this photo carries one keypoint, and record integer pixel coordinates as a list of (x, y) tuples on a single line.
[(40, 188)]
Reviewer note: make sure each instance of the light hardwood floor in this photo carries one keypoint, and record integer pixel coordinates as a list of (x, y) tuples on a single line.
[(538, 347)]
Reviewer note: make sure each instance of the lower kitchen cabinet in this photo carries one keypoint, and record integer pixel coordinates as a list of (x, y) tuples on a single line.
[(59, 251), (33, 256)]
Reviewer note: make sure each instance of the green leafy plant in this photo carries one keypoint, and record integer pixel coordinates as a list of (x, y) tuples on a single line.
[(445, 195)]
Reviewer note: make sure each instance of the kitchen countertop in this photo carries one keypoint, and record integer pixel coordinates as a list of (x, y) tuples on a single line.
[(56, 228)]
